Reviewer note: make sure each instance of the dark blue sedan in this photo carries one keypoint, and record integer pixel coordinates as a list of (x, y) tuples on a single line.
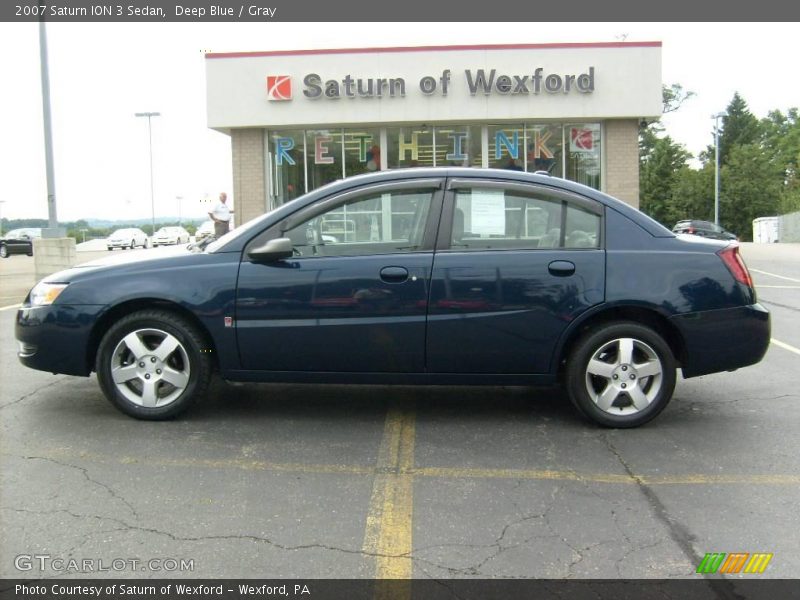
[(425, 276)]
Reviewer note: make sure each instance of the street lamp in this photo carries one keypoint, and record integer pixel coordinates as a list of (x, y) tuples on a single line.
[(180, 201), (716, 118), (149, 115)]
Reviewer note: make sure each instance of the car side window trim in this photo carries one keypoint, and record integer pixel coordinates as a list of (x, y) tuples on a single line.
[(527, 189), (444, 237), (436, 185)]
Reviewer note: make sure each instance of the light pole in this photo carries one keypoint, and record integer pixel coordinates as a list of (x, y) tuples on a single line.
[(180, 201), (1, 216), (716, 118), (149, 115)]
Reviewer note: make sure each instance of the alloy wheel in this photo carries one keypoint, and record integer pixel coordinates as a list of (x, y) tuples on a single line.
[(150, 367), (624, 376)]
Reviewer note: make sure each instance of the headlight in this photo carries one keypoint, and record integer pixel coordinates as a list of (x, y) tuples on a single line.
[(44, 294)]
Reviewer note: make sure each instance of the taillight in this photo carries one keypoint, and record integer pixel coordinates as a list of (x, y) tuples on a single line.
[(733, 260)]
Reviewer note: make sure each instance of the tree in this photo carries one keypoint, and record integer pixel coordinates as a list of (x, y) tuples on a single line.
[(693, 194), (739, 127), (660, 160), (658, 175), (751, 188), (781, 140)]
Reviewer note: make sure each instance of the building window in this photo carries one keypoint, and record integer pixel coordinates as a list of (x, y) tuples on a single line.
[(544, 148), (287, 165), (409, 147), (583, 158), (301, 161), (505, 147), (458, 146), (323, 156), (362, 151)]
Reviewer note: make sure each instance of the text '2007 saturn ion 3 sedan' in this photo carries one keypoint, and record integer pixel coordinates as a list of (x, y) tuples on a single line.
[(423, 276)]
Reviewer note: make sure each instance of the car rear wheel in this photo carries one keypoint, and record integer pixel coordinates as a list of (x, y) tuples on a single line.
[(621, 375), (153, 365)]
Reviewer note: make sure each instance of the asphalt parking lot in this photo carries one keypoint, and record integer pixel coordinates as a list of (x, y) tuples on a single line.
[(359, 482)]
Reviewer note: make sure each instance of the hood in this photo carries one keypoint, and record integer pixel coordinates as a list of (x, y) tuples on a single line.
[(154, 255)]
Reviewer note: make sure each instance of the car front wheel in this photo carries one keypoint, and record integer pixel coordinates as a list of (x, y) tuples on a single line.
[(153, 365), (621, 375), (3, 252)]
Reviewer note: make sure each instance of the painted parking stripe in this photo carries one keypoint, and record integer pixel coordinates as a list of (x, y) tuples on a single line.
[(9, 307), (785, 346), (401, 444), (388, 533), (774, 275)]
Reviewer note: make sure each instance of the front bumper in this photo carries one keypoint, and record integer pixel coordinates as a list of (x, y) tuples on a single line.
[(723, 340), (56, 338)]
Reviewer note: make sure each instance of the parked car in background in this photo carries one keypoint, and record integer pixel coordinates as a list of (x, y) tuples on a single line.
[(704, 229), (19, 241), (127, 238), (440, 276), (170, 236), (206, 230)]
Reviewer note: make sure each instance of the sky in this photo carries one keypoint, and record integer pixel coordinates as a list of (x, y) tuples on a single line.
[(103, 73)]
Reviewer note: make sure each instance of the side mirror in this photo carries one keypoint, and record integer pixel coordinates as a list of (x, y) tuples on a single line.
[(272, 251)]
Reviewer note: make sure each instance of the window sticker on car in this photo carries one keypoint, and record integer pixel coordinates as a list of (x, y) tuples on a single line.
[(488, 212)]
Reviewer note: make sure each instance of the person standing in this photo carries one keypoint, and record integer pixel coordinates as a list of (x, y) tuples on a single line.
[(221, 215)]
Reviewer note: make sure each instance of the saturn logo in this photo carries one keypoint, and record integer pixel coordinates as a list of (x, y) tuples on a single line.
[(279, 88)]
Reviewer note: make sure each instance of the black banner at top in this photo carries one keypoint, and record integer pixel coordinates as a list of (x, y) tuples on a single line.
[(255, 11)]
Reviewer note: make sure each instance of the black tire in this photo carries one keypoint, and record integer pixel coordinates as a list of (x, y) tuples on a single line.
[(646, 371), (110, 248), (156, 398), (3, 251)]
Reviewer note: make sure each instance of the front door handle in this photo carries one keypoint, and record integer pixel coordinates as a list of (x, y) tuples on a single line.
[(394, 274), (561, 268)]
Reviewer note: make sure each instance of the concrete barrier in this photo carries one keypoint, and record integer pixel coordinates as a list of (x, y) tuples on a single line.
[(51, 255)]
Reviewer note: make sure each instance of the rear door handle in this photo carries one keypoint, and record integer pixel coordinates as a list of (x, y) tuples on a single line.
[(561, 268), (394, 274)]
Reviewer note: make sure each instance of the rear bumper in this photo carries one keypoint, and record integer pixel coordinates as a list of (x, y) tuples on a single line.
[(723, 340)]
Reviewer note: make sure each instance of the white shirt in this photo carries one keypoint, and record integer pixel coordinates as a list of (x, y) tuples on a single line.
[(222, 212)]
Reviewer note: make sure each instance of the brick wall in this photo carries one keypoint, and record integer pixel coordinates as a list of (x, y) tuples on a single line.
[(622, 160), (249, 184)]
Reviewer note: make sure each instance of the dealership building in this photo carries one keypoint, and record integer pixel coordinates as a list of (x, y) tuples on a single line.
[(301, 119)]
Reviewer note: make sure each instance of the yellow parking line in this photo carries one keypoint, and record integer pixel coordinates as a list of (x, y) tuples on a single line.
[(774, 275), (388, 533), (396, 460), (785, 346), (539, 475)]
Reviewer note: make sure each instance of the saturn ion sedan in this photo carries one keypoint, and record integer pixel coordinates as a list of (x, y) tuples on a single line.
[(419, 276)]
